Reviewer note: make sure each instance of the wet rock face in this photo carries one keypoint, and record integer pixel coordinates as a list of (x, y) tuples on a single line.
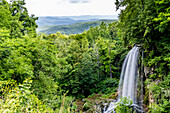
[(103, 106)]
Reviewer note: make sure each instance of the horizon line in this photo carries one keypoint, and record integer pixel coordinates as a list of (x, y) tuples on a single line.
[(75, 15)]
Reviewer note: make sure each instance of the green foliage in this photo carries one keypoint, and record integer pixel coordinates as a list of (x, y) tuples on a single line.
[(75, 64), (87, 106), (4, 34), (21, 58), (109, 85), (13, 62), (20, 99), (27, 23), (35, 58), (107, 48), (14, 16), (84, 61), (107, 53), (5, 14), (123, 106), (160, 91), (163, 17)]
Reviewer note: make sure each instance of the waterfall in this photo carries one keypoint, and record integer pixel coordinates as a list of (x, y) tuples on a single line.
[(128, 79)]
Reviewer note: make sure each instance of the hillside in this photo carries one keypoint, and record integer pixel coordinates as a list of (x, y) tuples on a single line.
[(75, 28), (58, 21), (67, 20)]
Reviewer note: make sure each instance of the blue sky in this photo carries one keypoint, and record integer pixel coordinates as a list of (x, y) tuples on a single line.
[(71, 7)]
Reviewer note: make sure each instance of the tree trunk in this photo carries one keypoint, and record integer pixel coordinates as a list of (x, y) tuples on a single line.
[(98, 61), (110, 65)]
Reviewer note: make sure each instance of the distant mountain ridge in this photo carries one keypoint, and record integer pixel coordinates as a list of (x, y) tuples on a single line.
[(58, 21), (89, 17), (67, 20), (71, 24), (75, 28)]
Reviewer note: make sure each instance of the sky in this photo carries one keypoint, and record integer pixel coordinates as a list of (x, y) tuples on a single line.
[(71, 7)]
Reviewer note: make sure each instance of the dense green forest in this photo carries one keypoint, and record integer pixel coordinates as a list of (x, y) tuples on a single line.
[(75, 28), (50, 73)]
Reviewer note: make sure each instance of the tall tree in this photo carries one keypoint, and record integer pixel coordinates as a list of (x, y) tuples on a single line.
[(28, 21)]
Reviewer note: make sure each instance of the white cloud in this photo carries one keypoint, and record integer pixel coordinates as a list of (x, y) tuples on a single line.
[(86, 1), (71, 7), (74, 1)]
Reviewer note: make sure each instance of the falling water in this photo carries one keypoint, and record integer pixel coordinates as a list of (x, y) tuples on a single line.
[(128, 78)]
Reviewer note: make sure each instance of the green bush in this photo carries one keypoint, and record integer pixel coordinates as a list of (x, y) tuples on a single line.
[(20, 99), (109, 85), (123, 106)]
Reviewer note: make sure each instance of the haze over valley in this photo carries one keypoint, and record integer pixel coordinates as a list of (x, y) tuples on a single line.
[(71, 24)]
